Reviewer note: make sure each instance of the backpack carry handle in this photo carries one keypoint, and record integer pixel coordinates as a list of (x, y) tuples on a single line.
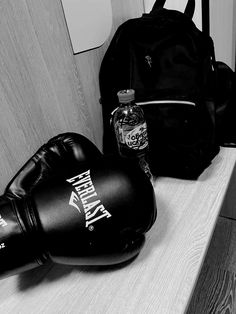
[(189, 10), (158, 5)]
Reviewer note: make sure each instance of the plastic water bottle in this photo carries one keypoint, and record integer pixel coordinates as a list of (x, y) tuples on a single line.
[(131, 129)]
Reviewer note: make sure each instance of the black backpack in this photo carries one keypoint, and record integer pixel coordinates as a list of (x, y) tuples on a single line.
[(169, 63)]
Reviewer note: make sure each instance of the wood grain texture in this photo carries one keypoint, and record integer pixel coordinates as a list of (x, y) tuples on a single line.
[(40, 90), (44, 88), (215, 291), (222, 252), (160, 280), (229, 205)]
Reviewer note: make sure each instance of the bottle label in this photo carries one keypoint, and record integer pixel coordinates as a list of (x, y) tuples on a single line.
[(137, 138)]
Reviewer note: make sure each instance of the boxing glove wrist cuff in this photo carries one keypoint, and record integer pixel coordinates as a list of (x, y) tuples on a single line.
[(20, 248)]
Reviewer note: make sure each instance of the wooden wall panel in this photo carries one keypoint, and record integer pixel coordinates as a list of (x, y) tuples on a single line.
[(44, 88), (53, 39)]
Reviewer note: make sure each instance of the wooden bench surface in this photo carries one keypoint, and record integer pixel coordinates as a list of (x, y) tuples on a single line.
[(160, 280)]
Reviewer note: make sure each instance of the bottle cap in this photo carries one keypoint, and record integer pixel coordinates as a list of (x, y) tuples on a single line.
[(125, 95)]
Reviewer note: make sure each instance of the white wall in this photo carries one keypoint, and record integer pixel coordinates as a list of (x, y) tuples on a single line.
[(223, 29)]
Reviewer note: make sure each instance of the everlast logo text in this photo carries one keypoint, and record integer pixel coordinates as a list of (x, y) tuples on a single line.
[(85, 192)]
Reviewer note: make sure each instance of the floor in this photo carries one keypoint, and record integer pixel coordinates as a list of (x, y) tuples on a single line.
[(215, 292)]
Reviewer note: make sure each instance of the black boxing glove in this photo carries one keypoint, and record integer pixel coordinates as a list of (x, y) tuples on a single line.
[(92, 213)]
